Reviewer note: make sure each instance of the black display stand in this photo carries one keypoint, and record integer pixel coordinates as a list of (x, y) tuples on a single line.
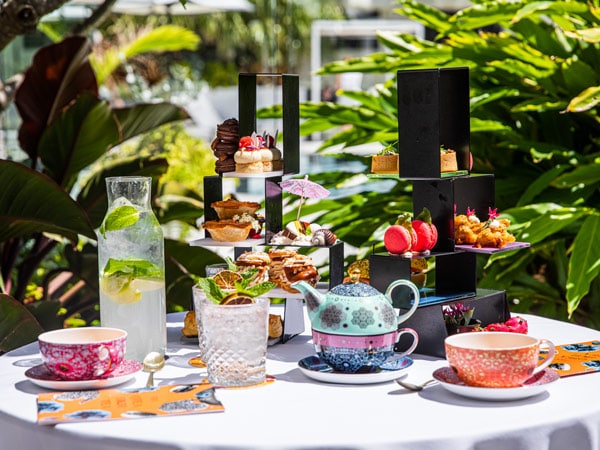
[(433, 111), (293, 319)]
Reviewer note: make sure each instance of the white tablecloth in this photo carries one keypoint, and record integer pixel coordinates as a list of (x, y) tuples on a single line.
[(295, 412)]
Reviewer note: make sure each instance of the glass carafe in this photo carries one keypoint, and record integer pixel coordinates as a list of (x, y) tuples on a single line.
[(132, 268)]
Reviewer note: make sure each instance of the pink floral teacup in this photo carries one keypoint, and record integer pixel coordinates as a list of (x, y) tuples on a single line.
[(496, 359), (83, 353)]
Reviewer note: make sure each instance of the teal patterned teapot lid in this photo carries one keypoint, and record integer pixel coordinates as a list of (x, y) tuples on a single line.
[(354, 289)]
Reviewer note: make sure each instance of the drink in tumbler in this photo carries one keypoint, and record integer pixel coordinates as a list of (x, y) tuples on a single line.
[(131, 266), (235, 340)]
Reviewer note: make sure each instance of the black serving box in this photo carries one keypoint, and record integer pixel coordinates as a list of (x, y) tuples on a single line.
[(428, 321), (433, 111)]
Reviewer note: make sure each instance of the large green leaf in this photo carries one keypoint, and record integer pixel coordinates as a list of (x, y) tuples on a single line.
[(578, 75), (561, 8), (141, 118), (32, 203), (540, 184), (586, 100), (427, 15), (584, 264), (164, 38), (77, 138), (181, 259), (550, 223), (17, 325), (58, 74), (588, 174), (589, 35)]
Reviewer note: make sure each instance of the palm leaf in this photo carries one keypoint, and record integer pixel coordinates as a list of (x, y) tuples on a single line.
[(162, 39), (58, 74), (17, 325), (77, 138), (584, 264), (32, 203)]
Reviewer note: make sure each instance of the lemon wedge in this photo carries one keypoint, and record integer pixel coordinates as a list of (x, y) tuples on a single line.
[(125, 291)]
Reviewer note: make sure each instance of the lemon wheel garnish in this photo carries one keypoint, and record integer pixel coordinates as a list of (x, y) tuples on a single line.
[(126, 291), (237, 299), (226, 279)]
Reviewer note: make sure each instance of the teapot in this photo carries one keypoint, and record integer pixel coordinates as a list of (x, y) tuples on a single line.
[(354, 326)]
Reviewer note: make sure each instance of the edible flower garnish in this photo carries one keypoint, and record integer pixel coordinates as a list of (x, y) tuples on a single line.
[(493, 213), (458, 314), (253, 142)]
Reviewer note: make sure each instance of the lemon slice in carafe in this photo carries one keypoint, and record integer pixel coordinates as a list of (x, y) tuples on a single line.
[(120, 290)]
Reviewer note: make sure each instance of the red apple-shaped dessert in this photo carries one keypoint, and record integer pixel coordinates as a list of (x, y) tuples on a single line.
[(425, 231)]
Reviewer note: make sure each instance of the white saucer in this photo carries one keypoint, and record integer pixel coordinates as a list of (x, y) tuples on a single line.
[(314, 368), (534, 386), (41, 376)]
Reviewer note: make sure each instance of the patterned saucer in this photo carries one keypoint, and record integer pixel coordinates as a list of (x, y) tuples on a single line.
[(313, 367), (41, 376), (534, 386)]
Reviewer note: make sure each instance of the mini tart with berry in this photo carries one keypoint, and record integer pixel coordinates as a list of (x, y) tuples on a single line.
[(448, 162)]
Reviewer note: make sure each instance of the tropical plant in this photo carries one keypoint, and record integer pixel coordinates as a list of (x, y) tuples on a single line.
[(535, 94), (47, 208)]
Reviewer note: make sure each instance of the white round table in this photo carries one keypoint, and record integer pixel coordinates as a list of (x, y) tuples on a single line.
[(296, 412)]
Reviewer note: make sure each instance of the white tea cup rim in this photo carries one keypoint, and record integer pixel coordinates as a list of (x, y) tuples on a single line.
[(82, 335), (492, 340)]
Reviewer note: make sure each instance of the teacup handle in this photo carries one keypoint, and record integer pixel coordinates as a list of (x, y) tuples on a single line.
[(106, 353), (415, 336), (413, 288), (549, 357)]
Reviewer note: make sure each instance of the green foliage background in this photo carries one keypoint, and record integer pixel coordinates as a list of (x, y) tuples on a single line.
[(535, 89)]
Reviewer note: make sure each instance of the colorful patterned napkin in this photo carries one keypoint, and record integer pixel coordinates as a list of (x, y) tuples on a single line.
[(576, 359), (126, 403)]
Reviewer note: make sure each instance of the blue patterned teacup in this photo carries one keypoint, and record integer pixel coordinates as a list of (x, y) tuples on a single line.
[(360, 354)]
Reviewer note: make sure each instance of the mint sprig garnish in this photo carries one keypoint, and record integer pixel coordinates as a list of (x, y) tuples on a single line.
[(119, 218), (131, 268), (215, 294)]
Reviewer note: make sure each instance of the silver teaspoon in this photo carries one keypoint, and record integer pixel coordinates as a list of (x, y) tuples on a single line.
[(152, 363), (414, 387)]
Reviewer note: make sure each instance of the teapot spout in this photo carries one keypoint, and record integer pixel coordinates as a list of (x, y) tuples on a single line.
[(312, 296)]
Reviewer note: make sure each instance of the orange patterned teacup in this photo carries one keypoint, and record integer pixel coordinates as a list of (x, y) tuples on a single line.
[(496, 359)]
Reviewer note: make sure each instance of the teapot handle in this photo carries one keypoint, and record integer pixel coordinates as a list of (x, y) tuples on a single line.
[(413, 288)]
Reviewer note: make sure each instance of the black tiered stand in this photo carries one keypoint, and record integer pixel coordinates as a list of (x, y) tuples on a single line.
[(433, 110), (293, 323)]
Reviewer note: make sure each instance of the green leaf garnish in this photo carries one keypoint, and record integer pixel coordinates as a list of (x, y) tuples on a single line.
[(132, 268), (119, 218), (230, 264), (424, 215), (215, 294), (257, 290), (390, 149)]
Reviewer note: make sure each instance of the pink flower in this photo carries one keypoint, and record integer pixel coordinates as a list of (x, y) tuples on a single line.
[(513, 325), (493, 213)]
